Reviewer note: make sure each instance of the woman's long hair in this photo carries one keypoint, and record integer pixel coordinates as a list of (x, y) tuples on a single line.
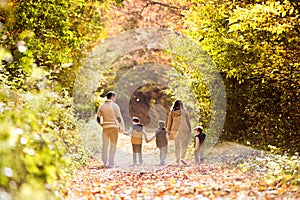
[(178, 105)]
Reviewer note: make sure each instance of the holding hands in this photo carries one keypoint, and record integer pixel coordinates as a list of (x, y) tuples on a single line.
[(151, 138)]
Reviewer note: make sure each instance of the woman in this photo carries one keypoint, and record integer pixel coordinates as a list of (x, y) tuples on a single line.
[(179, 129)]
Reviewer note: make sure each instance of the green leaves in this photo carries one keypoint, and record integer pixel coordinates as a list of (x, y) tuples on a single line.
[(55, 33), (254, 45), (38, 141)]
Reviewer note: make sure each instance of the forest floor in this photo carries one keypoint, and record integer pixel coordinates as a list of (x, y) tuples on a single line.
[(221, 176)]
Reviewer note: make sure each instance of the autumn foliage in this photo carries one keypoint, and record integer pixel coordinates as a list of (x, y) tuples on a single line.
[(254, 44), (203, 181)]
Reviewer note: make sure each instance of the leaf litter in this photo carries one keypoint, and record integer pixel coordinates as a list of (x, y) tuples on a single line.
[(222, 176)]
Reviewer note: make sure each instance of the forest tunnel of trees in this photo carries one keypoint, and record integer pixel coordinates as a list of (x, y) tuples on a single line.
[(141, 101), (255, 45)]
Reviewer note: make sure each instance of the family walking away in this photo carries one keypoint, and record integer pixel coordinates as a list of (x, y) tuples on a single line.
[(177, 128)]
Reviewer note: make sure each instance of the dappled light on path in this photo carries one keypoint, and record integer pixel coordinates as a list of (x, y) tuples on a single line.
[(210, 180), (173, 182)]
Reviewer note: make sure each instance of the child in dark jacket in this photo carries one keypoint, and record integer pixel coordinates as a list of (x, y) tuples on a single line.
[(137, 133), (161, 141), (199, 144)]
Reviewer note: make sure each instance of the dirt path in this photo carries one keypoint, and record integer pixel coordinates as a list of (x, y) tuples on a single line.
[(211, 180), (123, 157)]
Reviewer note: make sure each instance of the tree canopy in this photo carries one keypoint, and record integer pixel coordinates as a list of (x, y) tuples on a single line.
[(255, 46)]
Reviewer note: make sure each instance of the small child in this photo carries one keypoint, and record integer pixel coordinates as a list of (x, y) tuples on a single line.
[(137, 133), (161, 141), (199, 144)]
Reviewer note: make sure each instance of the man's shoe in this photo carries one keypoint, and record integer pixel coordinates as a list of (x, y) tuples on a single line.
[(111, 166), (184, 162)]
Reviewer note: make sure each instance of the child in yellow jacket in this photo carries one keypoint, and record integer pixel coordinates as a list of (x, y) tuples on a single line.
[(137, 133)]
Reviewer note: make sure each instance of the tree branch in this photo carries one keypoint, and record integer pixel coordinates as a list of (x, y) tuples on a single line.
[(164, 5)]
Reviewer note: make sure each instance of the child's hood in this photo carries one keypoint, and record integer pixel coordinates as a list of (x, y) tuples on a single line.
[(137, 127)]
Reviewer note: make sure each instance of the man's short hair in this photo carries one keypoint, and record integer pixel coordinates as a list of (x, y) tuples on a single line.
[(110, 94), (136, 119)]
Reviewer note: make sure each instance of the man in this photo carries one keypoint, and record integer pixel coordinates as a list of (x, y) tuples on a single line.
[(110, 119)]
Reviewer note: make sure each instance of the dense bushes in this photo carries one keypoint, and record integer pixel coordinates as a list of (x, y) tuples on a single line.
[(41, 44), (255, 45), (39, 143)]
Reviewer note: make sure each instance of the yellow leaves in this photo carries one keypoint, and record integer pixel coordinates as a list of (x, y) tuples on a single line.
[(173, 181), (26, 34), (268, 17), (5, 55), (291, 11), (234, 27), (269, 182), (261, 188)]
